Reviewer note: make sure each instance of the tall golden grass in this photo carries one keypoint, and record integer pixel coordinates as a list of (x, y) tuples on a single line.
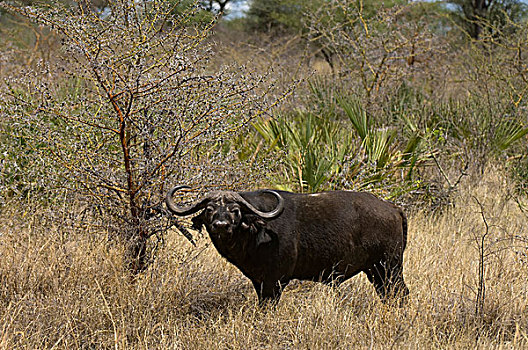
[(66, 289)]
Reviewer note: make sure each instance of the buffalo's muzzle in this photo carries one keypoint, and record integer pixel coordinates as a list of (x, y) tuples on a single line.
[(220, 225)]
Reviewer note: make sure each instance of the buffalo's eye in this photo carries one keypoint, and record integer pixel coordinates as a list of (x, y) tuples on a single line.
[(235, 210), (209, 210)]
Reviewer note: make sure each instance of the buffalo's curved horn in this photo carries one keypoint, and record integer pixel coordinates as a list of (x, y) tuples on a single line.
[(269, 214), (182, 211)]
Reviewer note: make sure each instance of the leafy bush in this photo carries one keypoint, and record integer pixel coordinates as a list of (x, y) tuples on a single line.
[(339, 146), (315, 149)]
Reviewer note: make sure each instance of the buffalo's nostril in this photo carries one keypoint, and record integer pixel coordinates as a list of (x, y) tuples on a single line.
[(220, 224)]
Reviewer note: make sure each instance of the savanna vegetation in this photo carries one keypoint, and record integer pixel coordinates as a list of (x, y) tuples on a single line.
[(105, 105)]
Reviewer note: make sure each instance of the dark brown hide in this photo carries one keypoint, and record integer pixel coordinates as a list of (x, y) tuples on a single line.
[(327, 237)]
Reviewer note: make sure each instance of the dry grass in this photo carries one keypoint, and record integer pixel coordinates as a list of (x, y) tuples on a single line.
[(67, 290)]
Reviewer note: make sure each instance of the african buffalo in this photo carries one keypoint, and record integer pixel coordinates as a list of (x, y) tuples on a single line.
[(276, 236)]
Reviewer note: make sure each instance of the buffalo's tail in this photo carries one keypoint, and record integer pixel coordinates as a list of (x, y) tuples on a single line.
[(404, 229)]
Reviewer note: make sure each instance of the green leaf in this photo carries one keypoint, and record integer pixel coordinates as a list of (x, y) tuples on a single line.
[(357, 115), (508, 133)]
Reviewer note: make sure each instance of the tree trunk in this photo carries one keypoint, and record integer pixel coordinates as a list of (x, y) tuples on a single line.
[(136, 252)]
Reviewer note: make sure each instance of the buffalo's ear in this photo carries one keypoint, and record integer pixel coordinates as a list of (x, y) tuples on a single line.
[(198, 222), (263, 237), (259, 229)]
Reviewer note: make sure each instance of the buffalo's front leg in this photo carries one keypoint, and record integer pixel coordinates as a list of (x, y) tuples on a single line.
[(269, 292)]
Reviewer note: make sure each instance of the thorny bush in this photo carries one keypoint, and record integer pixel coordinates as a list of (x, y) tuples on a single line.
[(130, 105)]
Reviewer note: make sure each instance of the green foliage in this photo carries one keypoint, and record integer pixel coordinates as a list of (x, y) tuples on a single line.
[(334, 142), (21, 169), (292, 16), (200, 14), (475, 16), (472, 123), (338, 146), (385, 154), (264, 15), (509, 132), (315, 148)]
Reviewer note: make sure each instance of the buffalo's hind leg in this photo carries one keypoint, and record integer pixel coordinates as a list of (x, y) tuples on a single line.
[(387, 278)]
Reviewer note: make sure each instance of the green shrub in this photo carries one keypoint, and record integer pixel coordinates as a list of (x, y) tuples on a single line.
[(338, 146)]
